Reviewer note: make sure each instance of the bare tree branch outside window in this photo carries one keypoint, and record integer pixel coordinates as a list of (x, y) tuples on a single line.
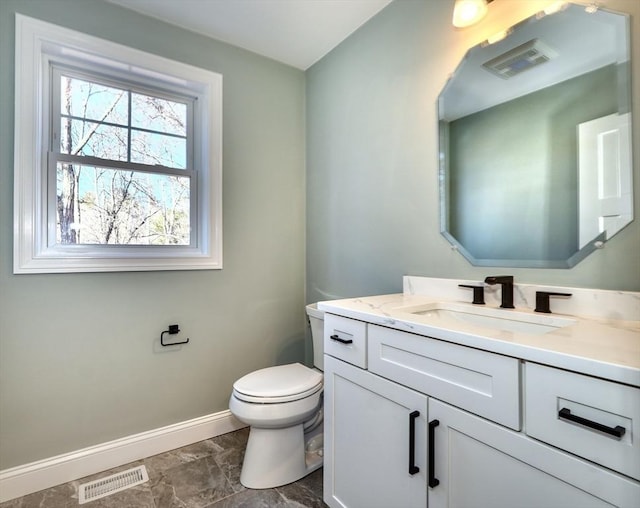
[(111, 203)]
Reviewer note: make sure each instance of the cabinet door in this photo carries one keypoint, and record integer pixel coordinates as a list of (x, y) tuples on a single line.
[(481, 464), (368, 447)]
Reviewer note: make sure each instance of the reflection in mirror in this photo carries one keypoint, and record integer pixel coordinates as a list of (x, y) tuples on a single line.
[(535, 141)]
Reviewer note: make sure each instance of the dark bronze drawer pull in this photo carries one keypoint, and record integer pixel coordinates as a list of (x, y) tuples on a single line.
[(616, 431), (343, 341)]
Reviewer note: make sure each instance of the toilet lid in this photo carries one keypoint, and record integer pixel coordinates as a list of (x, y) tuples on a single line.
[(282, 381)]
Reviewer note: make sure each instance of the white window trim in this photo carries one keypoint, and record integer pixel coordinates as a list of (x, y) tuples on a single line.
[(36, 41)]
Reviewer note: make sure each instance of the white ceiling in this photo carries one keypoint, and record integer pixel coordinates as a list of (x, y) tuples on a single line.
[(295, 32)]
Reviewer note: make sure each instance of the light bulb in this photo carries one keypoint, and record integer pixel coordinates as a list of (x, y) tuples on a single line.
[(468, 12)]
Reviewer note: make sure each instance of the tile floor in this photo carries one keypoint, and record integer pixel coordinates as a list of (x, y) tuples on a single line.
[(201, 475)]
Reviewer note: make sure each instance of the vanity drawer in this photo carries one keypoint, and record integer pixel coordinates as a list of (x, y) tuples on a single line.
[(482, 383), (346, 339), (562, 409)]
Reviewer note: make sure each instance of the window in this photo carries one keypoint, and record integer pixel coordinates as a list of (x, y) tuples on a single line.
[(117, 157), (122, 162)]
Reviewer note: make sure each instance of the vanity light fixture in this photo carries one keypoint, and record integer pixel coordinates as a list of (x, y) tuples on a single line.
[(469, 12), (553, 8), (592, 8), (497, 37)]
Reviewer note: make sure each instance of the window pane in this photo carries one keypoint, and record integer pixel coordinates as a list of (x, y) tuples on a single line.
[(89, 138), (92, 101), (150, 148), (159, 115), (109, 206)]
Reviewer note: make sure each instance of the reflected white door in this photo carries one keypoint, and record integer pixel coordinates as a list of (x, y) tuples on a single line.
[(604, 164)]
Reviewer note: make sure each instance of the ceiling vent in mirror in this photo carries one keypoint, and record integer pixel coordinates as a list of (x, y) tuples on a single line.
[(519, 59)]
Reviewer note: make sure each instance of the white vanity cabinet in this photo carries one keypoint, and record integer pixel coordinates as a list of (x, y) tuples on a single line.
[(422, 422)]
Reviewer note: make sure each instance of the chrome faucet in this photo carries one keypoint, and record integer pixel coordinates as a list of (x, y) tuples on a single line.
[(506, 281)]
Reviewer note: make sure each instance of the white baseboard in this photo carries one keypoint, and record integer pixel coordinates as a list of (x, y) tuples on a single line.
[(21, 480)]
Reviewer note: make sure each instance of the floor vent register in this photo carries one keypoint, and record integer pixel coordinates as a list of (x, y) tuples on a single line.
[(112, 484)]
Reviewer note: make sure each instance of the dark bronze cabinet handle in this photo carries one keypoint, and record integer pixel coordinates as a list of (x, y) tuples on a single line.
[(413, 469), (433, 481), (342, 341), (616, 431)]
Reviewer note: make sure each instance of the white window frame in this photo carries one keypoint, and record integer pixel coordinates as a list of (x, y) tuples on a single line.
[(38, 44)]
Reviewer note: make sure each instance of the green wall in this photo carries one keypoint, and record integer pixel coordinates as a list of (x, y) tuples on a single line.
[(80, 360), (372, 157)]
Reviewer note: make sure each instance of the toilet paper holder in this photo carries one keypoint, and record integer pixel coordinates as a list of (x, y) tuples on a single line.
[(173, 329)]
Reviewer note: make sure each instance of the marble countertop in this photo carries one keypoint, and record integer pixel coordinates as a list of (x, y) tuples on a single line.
[(606, 348)]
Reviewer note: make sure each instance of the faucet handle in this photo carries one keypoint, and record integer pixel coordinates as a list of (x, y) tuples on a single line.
[(542, 300), (478, 293)]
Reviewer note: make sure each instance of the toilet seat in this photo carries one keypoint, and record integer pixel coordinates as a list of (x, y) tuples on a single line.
[(274, 385)]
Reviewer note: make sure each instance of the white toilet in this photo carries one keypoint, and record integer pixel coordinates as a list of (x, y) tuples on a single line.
[(283, 406)]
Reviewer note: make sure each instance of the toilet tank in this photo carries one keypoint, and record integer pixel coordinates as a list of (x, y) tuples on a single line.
[(316, 319)]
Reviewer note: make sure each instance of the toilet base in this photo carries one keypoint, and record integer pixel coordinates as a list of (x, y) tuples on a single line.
[(275, 457)]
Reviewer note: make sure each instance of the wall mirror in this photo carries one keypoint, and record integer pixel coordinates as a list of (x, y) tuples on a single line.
[(535, 141)]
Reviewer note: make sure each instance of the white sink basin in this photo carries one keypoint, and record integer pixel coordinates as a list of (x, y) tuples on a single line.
[(486, 317)]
